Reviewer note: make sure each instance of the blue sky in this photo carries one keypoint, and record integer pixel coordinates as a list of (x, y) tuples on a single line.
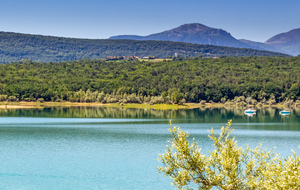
[(256, 20)]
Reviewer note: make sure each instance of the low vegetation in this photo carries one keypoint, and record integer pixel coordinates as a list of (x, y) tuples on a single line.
[(227, 166)]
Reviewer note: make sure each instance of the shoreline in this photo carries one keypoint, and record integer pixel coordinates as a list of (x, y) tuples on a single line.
[(35, 105)]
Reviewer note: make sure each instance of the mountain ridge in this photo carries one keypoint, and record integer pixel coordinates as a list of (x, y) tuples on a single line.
[(16, 46), (287, 42), (202, 34), (193, 33)]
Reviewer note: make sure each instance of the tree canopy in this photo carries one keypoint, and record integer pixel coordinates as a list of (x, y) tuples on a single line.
[(264, 79)]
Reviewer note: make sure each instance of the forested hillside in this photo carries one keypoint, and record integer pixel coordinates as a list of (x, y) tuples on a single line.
[(15, 47), (263, 78)]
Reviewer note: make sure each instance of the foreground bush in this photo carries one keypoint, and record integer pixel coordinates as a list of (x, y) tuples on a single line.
[(228, 166)]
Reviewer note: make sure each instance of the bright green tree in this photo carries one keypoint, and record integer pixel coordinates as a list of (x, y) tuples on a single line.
[(228, 166)]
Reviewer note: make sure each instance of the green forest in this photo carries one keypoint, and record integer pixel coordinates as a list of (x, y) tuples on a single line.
[(264, 79), (15, 47)]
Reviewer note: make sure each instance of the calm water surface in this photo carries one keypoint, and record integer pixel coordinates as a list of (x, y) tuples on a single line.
[(111, 148)]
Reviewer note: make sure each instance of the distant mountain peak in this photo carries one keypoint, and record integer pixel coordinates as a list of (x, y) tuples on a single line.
[(197, 33), (285, 37), (192, 33), (191, 28), (288, 42)]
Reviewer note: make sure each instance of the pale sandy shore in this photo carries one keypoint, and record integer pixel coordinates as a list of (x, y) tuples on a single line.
[(15, 107), (30, 105)]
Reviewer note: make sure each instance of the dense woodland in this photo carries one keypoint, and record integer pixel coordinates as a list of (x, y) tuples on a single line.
[(264, 79), (14, 47)]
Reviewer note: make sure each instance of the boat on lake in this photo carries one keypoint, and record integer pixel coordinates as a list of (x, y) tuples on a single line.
[(249, 111), (285, 112)]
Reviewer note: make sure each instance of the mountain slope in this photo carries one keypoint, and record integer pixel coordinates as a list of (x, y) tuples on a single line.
[(260, 45), (15, 46), (193, 33), (288, 42)]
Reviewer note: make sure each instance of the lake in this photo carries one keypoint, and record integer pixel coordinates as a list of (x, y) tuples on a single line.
[(114, 148)]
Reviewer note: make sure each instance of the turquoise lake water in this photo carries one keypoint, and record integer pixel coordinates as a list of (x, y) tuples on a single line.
[(111, 148)]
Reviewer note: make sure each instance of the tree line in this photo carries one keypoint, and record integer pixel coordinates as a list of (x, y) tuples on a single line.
[(229, 80)]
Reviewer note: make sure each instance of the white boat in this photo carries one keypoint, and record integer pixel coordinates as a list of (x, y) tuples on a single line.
[(285, 112), (249, 111)]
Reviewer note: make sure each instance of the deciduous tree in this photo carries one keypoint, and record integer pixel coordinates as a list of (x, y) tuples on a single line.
[(227, 166)]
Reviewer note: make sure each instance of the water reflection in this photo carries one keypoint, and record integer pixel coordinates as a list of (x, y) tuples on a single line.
[(199, 115)]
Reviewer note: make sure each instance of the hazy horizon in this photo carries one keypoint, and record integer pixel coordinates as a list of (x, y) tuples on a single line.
[(96, 19)]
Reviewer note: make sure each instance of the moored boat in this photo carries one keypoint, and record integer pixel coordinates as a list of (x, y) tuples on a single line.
[(285, 112), (250, 111)]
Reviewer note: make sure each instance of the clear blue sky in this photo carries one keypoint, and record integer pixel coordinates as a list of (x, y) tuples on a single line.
[(256, 20)]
